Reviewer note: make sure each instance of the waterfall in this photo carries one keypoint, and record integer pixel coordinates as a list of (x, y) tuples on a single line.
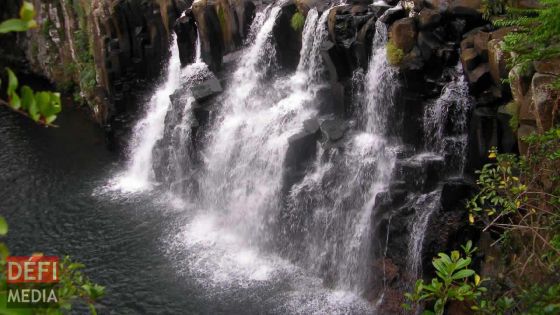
[(445, 120), (332, 206), (243, 161), (381, 84), (445, 128), (139, 174)]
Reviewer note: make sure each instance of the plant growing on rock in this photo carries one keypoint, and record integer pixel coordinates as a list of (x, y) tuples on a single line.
[(395, 55), (298, 21)]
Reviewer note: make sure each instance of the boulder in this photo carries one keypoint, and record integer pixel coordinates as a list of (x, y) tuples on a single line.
[(469, 8), (302, 149), (245, 13), (502, 32), (221, 26), (428, 18), (334, 129), (520, 81), (365, 37), (185, 28), (439, 5), (428, 44), (481, 44), (497, 61), (548, 66), (210, 34), (545, 101), (524, 130), (286, 39), (342, 27), (469, 59), (453, 192), (206, 89), (403, 34), (479, 74), (304, 6), (393, 14), (525, 113)]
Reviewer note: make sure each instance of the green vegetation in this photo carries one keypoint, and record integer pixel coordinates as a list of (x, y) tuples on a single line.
[(25, 22), (74, 287), (42, 107), (512, 109), (297, 22), (222, 19), (454, 282), (395, 55), (536, 33), (85, 64), (518, 204)]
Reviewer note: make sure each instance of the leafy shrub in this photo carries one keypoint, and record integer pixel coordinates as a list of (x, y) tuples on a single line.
[(395, 55), (297, 22), (455, 281)]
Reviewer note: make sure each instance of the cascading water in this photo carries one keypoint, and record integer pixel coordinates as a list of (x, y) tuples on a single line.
[(227, 242), (244, 157), (139, 174), (234, 180), (445, 127), (445, 120), (332, 206)]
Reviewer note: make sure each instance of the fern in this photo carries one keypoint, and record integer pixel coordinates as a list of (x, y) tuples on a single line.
[(536, 33)]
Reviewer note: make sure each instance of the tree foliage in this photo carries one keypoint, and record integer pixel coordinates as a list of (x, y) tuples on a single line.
[(42, 106), (536, 31)]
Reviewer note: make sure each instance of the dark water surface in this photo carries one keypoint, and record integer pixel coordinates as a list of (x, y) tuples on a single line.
[(52, 194), (48, 180)]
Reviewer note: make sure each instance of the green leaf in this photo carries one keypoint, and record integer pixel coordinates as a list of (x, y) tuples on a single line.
[(33, 110), (50, 119), (27, 97), (12, 82), (27, 11), (15, 101), (4, 251), (462, 263), (14, 25), (455, 255), (461, 274), (3, 226)]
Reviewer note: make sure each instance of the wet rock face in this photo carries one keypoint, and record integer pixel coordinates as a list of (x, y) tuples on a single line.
[(222, 26), (108, 52), (287, 39), (185, 28)]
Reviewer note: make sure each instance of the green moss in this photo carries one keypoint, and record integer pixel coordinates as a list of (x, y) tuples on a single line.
[(297, 22), (46, 28), (395, 55), (512, 109), (222, 18)]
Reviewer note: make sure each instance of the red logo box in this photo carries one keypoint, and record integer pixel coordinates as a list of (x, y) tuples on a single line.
[(32, 269)]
